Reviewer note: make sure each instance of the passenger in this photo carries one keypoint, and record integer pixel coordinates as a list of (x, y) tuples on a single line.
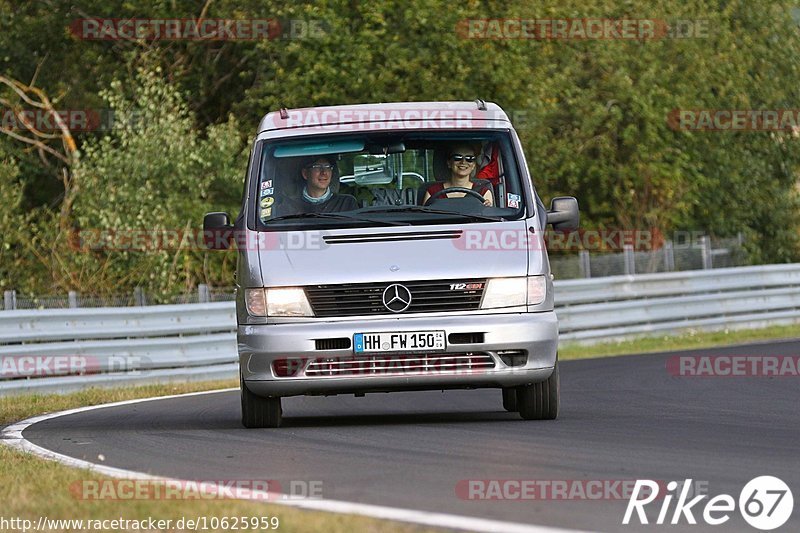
[(462, 164), (318, 196)]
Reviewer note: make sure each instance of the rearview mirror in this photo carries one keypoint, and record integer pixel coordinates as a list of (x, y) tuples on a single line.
[(563, 213), (397, 147), (217, 231), (372, 170)]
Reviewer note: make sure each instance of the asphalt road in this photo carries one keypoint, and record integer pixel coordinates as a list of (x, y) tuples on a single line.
[(622, 418)]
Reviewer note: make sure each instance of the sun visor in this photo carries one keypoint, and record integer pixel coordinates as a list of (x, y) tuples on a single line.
[(319, 148)]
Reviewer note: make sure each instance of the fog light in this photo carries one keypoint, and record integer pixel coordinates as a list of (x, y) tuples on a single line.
[(513, 357), (284, 368)]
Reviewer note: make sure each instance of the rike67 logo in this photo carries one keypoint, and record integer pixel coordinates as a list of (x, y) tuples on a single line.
[(765, 502)]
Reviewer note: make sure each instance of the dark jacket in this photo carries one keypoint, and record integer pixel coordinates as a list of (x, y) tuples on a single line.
[(337, 202)]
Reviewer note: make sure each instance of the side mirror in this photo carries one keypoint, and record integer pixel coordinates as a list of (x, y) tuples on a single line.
[(217, 231), (563, 213)]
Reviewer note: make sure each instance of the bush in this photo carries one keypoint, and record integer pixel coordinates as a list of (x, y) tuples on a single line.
[(154, 174)]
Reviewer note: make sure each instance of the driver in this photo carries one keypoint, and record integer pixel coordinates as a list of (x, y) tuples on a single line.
[(461, 161), (318, 196)]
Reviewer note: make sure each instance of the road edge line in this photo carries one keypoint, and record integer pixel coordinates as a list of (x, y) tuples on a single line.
[(11, 436)]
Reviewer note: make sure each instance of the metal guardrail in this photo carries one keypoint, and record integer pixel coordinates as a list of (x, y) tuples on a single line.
[(115, 322), (198, 341), (111, 346), (618, 307), (119, 379), (611, 288)]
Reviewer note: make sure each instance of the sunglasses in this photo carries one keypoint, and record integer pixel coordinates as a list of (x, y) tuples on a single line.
[(320, 168), (459, 157)]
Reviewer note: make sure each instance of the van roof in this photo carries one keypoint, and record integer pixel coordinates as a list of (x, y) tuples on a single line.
[(456, 115)]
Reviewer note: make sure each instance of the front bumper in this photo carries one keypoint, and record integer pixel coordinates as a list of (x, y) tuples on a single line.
[(533, 334)]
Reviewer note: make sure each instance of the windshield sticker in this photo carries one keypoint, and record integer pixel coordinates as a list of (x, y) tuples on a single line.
[(267, 202), (513, 200), (266, 184), (267, 192), (266, 213)]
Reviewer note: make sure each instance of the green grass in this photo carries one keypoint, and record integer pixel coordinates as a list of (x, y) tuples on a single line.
[(31, 487), (690, 339)]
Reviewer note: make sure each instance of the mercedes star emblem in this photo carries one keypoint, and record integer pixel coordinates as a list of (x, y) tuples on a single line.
[(396, 298)]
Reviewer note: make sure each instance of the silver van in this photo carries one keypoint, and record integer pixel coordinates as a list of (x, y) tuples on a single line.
[(393, 247)]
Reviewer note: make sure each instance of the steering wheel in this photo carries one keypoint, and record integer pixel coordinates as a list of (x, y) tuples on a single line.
[(468, 192)]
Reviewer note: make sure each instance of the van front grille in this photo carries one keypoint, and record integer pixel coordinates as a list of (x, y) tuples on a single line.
[(367, 298), (382, 365)]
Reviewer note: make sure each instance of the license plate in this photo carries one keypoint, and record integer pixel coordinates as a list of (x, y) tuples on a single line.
[(403, 341)]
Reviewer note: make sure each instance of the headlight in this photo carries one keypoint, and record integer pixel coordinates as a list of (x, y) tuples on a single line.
[(504, 292), (277, 302), (514, 292), (288, 302)]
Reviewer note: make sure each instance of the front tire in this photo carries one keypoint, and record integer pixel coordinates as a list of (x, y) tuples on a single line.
[(539, 401), (259, 412)]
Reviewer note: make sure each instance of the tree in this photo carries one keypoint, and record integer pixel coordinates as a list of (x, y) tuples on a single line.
[(152, 178), (591, 114)]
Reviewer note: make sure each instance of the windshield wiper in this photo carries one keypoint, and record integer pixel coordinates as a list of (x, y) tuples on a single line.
[(428, 210), (335, 216)]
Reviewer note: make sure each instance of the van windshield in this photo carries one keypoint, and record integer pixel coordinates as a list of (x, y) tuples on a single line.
[(379, 179)]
